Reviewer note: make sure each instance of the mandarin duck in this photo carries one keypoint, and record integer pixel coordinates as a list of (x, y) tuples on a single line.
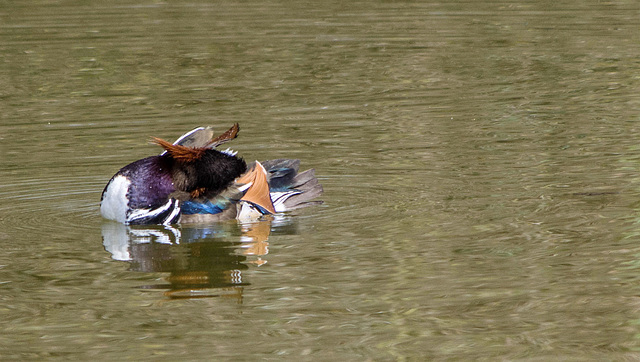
[(193, 182)]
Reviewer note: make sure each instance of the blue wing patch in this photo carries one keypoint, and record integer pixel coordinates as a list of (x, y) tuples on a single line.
[(194, 207)]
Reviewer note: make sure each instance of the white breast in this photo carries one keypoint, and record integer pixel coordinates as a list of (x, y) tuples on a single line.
[(115, 204)]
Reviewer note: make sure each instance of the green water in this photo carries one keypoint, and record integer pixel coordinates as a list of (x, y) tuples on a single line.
[(479, 162)]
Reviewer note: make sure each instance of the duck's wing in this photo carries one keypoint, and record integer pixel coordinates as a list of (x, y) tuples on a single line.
[(289, 189), (276, 186)]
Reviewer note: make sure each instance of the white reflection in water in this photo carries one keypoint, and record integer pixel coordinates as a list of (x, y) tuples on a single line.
[(202, 261)]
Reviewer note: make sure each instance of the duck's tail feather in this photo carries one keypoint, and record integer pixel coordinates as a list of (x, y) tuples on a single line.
[(289, 189)]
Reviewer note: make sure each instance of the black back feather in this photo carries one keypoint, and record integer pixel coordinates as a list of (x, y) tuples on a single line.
[(214, 172)]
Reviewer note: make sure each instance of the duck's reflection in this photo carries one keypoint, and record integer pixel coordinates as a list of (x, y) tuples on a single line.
[(202, 261)]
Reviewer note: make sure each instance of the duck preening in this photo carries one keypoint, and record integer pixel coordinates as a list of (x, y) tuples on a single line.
[(192, 182)]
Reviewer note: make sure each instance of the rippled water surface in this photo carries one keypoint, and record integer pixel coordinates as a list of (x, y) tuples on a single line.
[(480, 163)]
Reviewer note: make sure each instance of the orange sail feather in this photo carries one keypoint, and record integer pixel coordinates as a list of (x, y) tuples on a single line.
[(258, 192)]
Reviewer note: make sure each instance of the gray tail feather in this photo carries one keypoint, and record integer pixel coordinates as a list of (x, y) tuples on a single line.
[(284, 175), (304, 199), (302, 179)]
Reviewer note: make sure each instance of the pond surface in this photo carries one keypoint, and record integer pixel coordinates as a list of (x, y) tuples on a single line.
[(480, 162)]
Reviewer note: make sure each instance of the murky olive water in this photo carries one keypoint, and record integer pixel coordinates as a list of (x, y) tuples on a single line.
[(480, 164)]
